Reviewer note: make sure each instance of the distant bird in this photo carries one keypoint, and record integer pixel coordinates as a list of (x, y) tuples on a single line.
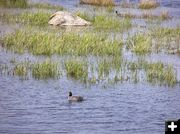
[(75, 98)]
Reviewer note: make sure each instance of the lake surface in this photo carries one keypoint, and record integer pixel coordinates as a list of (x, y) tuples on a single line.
[(41, 107)]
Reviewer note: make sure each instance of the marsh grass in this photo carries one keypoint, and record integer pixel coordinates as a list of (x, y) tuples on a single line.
[(164, 15), (39, 18), (106, 71), (45, 70), (104, 68), (21, 70), (85, 15), (46, 6), (155, 72), (98, 2), (3, 69), (158, 73), (77, 69), (166, 39), (26, 4), (110, 9), (106, 22), (140, 44), (111, 23), (148, 4), (14, 3), (47, 43)]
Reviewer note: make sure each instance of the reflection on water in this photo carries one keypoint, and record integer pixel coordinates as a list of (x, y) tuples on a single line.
[(14, 3)]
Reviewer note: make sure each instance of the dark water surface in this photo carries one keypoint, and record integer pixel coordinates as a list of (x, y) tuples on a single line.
[(41, 107)]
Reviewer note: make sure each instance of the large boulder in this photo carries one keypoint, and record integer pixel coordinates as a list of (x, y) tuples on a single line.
[(63, 18)]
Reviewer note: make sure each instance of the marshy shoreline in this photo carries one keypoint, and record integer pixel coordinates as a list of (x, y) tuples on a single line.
[(105, 39), (126, 65)]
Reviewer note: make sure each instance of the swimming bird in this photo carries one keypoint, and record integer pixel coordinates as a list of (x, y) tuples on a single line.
[(75, 98)]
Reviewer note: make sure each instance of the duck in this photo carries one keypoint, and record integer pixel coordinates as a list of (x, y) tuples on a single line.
[(75, 98)]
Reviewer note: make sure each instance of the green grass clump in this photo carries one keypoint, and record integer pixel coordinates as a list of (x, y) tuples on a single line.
[(47, 43), (28, 18), (38, 44), (85, 16), (14, 3), (148, 4), (140, 44), (98, 2), (46, 6), (36, 19), (103, 22), (77, 69), (45, 70), (167, 39), (104, 68), (21, 70), (25, 4), (158, 73), (166, 32)]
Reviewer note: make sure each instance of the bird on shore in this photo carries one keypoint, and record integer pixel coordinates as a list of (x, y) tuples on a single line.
[(75, 98)]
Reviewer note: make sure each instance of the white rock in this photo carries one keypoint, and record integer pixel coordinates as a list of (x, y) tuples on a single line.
[(63, 18)]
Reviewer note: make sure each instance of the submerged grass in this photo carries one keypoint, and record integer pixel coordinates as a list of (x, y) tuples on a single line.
[(45, 70), (21, 70), (77, 69), (158, 73), (46, 43)]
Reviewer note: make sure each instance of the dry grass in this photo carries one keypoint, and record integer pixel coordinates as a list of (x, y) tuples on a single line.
[(98, 2), (148, 4)]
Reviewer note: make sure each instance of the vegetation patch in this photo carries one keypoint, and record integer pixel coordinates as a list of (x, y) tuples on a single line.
[(46, 6), (111, 23), (45, 70), (105, 22), (140, 44), (39, 18), (14, 3), (158, 73), (98, 2), (166, 39), (164, 15), (77, 69), (21, 70), (36, 19), (26, 4), (47, 43), (148, 4)]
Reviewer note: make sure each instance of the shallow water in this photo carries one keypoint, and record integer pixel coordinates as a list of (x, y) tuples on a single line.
[(38, 106)]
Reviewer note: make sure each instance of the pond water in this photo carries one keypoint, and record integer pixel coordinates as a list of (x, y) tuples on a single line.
[(41, 106)]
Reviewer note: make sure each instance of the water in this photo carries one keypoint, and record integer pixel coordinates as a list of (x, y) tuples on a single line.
[(33, 106), (42, 107)]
